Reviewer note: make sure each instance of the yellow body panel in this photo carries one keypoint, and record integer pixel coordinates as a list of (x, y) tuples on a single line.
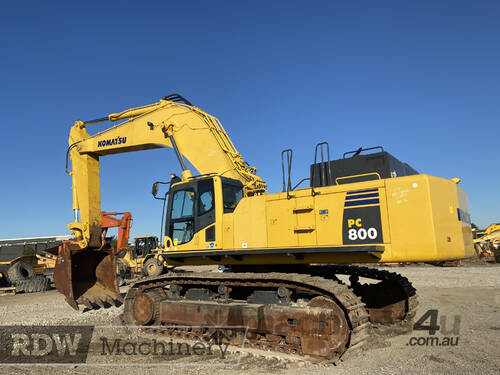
[(280, 223), (228, 235), (251, 230), (419, 221), (305, 220), (424, 221)]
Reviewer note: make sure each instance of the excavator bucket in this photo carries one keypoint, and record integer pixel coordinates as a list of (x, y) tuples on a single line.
[(87, 276)]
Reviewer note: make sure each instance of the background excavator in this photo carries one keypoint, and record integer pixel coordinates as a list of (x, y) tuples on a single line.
[(110, 220), (487, 242), (287, 254)]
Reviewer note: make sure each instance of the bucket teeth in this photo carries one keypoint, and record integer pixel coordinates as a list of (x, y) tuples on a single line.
[(110, 300), (72, 303), (87, 303), (99, 302), (102, 300)]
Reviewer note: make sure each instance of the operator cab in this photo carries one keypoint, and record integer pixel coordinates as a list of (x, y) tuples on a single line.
[(144, 245), (194, 206)]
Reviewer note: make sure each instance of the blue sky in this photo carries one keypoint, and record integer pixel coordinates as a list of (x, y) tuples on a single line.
[(420, 78)]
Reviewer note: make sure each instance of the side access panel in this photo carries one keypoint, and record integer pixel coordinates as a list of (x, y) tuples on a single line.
[(249, 223), (305, 220), (280, 221)]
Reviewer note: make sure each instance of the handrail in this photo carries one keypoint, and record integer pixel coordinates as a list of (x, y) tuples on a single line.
[(360, 150)]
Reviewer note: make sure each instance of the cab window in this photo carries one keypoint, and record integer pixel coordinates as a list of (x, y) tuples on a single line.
[(231, 196), (182, 217), (182, 231), (183, 204), (206, 196)]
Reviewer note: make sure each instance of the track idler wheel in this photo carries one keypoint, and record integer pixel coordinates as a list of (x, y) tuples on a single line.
[(146, 307), (339, 333)]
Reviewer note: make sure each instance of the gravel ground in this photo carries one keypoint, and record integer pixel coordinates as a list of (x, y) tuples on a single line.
[(472, 292)]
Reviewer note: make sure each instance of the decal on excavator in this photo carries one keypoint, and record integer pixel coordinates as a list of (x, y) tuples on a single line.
[(112, 142), (361, 223)]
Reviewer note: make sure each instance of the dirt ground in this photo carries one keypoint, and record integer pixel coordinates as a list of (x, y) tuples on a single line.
[(471, 292)]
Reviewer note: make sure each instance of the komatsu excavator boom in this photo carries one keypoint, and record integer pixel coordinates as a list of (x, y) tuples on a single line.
[(192, 133), (284, 250)]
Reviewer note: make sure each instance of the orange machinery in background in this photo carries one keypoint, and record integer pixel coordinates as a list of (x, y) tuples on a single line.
[(123, 224)]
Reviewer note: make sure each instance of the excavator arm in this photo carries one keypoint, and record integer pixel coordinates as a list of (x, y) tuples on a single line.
[(194, 135), (172, 122)]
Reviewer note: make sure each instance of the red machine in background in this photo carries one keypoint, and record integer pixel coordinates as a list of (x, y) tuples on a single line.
[(137, 259), (123, 224)]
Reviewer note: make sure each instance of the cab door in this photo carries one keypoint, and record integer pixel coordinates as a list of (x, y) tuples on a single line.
[(205, 211), (191, 214), (181, 215)]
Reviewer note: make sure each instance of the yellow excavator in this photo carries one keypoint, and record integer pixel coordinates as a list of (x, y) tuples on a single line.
[(287, 255), (487, 242)]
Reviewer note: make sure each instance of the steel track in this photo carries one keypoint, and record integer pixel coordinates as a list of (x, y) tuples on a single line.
[(318, 281), (333, 291)]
